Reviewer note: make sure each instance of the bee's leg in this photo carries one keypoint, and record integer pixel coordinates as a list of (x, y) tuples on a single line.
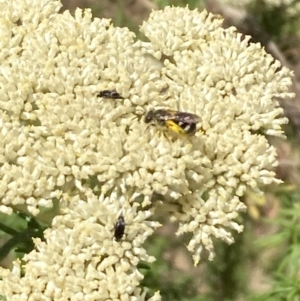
[(169, 135), (188, 138), (164, 134), (147, 128)]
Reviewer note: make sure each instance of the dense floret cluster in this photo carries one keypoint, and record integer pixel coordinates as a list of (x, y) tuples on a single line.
[(98, 158)]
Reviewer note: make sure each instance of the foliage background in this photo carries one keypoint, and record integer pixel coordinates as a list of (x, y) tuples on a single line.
[(264, 262)]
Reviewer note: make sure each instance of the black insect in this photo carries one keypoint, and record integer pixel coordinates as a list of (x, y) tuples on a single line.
[(179, 122), (119, 228), (110, 94)]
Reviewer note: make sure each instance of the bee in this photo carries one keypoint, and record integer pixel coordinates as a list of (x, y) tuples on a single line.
[(110, 94), (119, 228), (178, 122)]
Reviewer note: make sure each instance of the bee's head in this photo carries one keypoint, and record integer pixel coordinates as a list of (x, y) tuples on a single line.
[(149, 116)]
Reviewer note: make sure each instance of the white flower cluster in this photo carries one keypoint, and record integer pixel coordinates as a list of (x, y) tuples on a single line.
[(80, 260), (231, 84), (59, 141)]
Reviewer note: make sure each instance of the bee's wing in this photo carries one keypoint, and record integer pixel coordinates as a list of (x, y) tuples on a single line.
[(186, 117), (167, 115)]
